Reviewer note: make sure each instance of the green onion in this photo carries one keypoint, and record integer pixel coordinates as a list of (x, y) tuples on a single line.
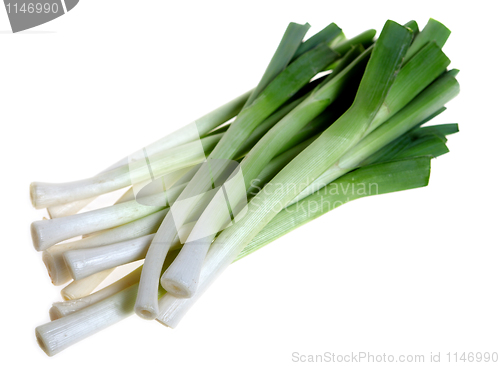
[(80, 319), (331, 120)]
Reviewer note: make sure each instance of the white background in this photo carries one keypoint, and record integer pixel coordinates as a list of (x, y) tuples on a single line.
[(408, 273)]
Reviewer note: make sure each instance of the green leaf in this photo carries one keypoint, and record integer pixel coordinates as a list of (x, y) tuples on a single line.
[(429, 63), (327, 35), (278, 163), (446, 129), (281, 89), (382, 69), (371, 180), (306, 111), (428, 145), (413, 26), (286, 50), (365, 39), (341, 64), (390, 150), (425, 105), (434, 31)]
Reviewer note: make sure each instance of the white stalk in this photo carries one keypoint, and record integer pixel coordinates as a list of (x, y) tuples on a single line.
[(63, 308), (47, 195), (180, 281), (52, 194), (146, 305), (181, 277), (126, 197), (85, 286), (89, 315), (53, 257), (46, 233), (74, 207), (59, 334), (60, 309), (85, 262)]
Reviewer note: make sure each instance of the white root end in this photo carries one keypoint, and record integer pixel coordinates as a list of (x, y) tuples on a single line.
[(178, 289), (57, 269), (172, 310), (146, 312), (41, 342), (182, 276), (146, 304), (33, 194), (46, 233), (55, 313), (36, 236), (42, 194)]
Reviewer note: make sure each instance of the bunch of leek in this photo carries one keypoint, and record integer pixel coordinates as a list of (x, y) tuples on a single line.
[(329, 112)]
